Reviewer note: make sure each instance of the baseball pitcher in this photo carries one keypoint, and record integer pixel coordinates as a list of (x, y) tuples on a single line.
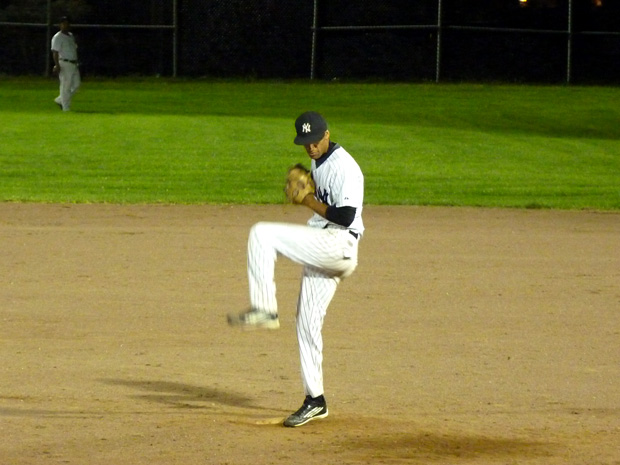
[(326, 248)]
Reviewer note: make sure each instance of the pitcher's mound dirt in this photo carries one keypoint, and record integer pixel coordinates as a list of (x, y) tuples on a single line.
[(465, 336)]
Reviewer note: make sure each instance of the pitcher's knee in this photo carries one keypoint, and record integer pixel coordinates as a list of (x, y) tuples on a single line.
[(261, 232), (258, 229)]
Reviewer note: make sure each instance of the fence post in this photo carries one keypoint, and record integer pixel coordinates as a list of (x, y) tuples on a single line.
[(48, 38), (438, 56), (175, 24), (569, 44), (314, 39)]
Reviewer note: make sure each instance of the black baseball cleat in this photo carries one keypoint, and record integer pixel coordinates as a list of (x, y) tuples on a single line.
[(254, 319), (311, 410)]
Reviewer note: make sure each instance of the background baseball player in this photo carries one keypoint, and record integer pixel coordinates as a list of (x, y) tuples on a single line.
[(64, 52), (326, 247)]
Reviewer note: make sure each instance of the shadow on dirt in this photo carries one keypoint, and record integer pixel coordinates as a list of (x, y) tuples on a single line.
[(183, 395), (437, 447)]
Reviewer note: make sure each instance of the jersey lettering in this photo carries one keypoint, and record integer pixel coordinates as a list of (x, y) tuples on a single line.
[(322, 195)]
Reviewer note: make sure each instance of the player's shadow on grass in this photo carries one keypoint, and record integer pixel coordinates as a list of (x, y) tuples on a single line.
[(184, 395)]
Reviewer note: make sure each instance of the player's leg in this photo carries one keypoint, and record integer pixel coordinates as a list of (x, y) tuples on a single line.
[(73, 83), (319, 248), (332, 251), (261, 258), (317, 291), (58, 100), (76, 81), (65, 76)]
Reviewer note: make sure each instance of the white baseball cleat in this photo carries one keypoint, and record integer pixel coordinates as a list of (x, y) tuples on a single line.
[(254, 319)]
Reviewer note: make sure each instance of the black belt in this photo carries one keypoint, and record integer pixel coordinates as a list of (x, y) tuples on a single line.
[(70, 61), (353, 233)]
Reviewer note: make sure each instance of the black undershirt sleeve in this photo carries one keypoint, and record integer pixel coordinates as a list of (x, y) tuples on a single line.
[(343, 216)]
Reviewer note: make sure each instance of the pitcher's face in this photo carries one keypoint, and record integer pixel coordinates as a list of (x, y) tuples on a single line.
[(317, 149)]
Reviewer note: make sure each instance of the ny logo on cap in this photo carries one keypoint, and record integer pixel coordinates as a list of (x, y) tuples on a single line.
[(306, 128)]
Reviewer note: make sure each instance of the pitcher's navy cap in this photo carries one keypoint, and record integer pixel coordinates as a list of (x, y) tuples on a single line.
[(310, 127)]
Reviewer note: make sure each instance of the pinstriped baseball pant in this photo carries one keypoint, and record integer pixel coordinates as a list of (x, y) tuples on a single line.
[(327, 255)]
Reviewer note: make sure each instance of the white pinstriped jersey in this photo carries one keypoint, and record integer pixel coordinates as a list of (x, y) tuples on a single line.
[(339, 182)]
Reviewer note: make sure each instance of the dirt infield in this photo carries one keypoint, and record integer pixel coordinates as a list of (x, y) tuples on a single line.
[(466, 336)]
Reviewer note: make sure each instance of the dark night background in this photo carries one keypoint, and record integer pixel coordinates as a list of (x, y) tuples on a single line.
[(273, 39)]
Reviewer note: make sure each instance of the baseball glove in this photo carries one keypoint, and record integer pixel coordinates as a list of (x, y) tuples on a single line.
[(299, 183)]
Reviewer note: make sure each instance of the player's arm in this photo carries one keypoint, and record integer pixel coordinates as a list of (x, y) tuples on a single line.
[(343, 216), (56, 59)]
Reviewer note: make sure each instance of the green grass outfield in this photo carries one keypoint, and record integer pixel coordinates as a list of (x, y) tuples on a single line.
[(177, 141)]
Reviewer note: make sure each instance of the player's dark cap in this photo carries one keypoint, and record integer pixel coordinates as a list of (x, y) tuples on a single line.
[(63, 19), (310, 127)]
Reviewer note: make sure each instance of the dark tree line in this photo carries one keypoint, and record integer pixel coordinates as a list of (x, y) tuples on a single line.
[(272, 38)]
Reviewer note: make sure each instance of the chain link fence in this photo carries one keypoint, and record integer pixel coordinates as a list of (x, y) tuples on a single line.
[(547, 41)]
